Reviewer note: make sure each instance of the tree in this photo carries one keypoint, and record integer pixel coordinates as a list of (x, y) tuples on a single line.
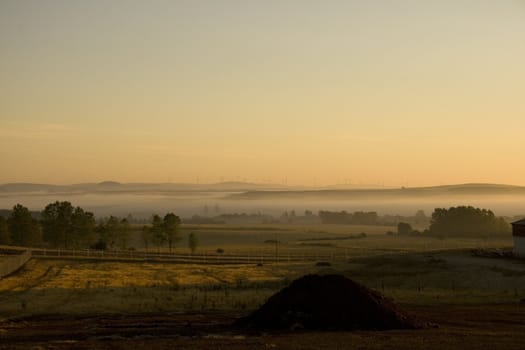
[(66, 226), (83, 227), (329, 217), (404, 229), (114, 232), (364, 218), (193, 242), (56, 223), (109, 232), (162, 231), (356, 218), (171, 223), (5, 238), (123, 234), (466, 221), (420, 217), (23, 228), (145, 234), (158, 237)]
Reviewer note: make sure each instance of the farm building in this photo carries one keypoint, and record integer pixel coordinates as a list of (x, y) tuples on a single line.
[(518, 234)]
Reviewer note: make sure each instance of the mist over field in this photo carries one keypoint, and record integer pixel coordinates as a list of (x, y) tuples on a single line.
[(142, 200)]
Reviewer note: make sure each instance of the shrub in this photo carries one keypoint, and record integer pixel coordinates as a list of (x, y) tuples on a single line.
[(404, 229)]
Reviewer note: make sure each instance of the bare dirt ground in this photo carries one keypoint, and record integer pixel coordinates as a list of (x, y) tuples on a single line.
[(494, 326)]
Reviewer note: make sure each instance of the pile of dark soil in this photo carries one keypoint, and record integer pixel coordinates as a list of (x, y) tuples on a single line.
[(331, 302)]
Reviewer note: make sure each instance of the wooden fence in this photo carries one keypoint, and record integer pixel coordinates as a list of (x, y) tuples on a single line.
[(199, 258), (11, 263)]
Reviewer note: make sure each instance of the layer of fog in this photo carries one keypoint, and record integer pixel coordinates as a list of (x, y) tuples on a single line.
[(214, 203)]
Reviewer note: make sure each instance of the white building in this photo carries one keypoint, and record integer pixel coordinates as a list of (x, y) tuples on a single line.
[(518, 234)]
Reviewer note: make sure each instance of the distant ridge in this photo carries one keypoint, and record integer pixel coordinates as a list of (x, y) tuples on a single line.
[(443, 190), (117, 187), (247, 190), (27, 187), (109, 183)]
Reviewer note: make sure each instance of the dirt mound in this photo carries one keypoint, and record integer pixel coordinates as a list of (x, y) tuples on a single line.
[(328, 302)]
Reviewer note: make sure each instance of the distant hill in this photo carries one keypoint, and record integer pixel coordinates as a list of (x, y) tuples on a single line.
[(246, 190), (27, 187), (109, 184), (117, 187), (412, 192)]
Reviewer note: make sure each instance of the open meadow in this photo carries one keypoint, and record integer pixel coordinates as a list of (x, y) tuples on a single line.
[(430, 277)]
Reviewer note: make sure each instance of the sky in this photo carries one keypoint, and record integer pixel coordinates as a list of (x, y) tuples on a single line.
[(394, 93)]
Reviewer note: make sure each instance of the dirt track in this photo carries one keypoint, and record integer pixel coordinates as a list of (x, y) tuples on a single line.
[(460, 327)]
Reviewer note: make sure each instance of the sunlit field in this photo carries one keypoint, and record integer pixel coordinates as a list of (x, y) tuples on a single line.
[(77, 287)]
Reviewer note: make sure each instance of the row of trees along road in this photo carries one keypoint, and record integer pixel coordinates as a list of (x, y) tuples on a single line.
[(61, 225)]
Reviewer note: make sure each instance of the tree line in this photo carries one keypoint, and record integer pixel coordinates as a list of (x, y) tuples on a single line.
[(61, 225), (466, 221), (461, 221), (345, 218), (162, 231), (308, 217)]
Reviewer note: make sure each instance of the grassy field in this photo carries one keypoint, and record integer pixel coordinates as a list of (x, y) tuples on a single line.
[(423, 274), (80, 286), (312, 239), (251, 236)]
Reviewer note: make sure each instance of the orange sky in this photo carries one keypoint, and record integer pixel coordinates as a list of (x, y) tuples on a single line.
[(299, 92)]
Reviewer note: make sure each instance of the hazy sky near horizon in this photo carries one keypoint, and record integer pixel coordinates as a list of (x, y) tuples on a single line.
[(404, 92)]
